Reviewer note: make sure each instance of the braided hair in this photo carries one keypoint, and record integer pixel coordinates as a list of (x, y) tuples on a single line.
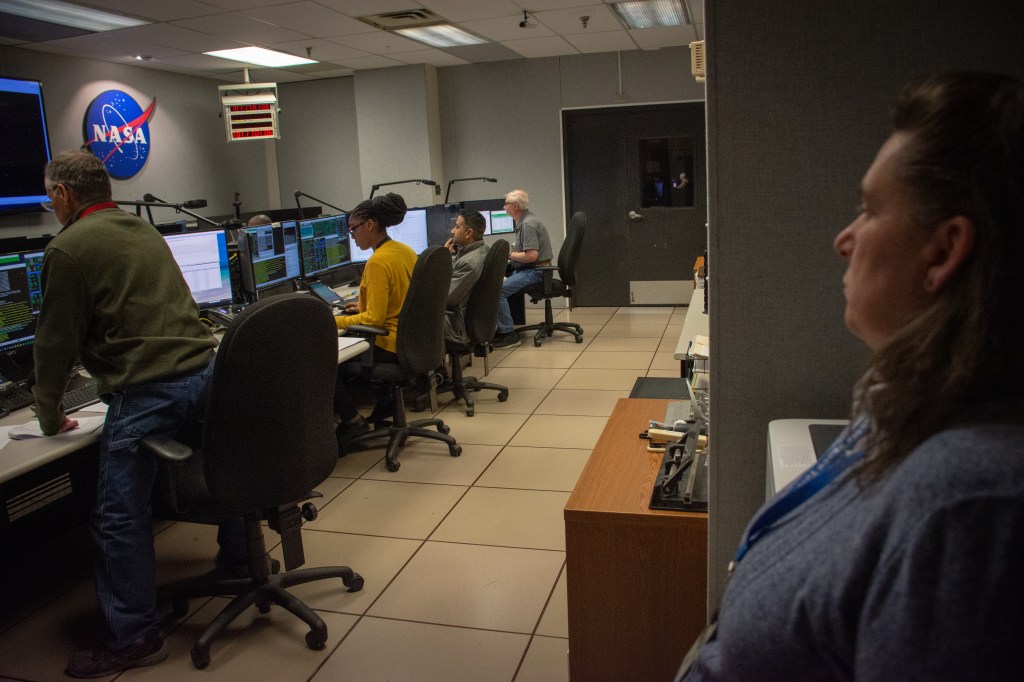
[(387, 209)]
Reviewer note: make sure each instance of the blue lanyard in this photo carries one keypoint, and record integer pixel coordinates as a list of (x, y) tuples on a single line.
[(837, 459)]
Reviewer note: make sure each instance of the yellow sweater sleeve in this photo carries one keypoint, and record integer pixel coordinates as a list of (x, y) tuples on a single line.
[(382, 291)]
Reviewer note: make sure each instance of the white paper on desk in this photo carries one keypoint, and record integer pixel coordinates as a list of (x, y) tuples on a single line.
[(31, 429), (701, 347), (98, 408), (348, 341), (4, 438)]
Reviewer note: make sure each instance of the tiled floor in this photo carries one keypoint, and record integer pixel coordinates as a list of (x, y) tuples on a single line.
[(463, 558)]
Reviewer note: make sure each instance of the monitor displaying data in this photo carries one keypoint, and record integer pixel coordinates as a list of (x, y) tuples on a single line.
[(412, 232), (269, 255), (20, 298), (325, 244), (500, 222), (203, 260)]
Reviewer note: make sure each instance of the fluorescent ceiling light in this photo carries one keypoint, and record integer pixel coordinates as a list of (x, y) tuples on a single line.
[(66, 14), (651, 13), (260, 56), (441, 35)]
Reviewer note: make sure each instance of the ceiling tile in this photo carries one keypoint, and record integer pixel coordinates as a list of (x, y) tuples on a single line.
[(662, 36), (158, 10), (199, 62), (371, 62), (505, 28), (567, 21), (323, 50), (608, 41), (241, 28), (309, 18), (545, 5), (468, 10), (115, 47), (487, 52), (22, 29), (359, 8), (548, 46), (429, 56), (378, 42), (170, 35)]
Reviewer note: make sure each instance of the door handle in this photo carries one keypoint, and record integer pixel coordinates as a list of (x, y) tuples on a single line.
[(633, 215)]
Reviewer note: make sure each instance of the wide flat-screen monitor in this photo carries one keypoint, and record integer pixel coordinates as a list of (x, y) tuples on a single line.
[(269, 255), (440, 220), (26, 146), (173, 227), (412, 231), (325, 244), (21, 295), (203, 260)]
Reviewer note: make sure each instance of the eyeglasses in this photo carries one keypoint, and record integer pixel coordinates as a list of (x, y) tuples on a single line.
[(353, 228), (511, 203), (47, 206)]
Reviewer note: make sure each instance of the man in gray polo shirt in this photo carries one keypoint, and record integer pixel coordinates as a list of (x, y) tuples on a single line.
[(531, 249)]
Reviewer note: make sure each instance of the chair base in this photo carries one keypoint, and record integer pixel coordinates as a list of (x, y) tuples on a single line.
[(261, 593), (400, 431), (462, 387), (549, 326)]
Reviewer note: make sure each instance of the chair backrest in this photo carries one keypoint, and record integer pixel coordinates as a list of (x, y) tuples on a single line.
[(482, 308), (268, 436), (569, 254), (421, 323)]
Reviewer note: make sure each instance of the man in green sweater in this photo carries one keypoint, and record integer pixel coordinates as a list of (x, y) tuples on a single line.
[(114, 298)]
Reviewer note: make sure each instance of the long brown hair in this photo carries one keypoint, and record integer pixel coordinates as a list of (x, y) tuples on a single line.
[(965, 157)]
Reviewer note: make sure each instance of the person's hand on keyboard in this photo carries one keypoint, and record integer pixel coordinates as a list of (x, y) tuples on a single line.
[(351, 308)]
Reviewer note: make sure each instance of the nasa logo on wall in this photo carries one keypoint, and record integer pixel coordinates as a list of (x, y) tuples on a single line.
[(116, 130)]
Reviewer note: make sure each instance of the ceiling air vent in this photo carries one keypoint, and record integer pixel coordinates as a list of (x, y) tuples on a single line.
[(409, 18), (697, 64)]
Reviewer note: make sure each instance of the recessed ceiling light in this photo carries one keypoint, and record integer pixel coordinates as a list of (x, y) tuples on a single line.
[(66, 14), (441, 35), (651, 13), (261, 57)]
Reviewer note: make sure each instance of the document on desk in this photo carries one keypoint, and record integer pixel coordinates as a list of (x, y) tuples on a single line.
[(31, 429)]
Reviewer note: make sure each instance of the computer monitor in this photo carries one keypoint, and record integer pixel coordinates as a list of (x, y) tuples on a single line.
[(412, 231), (501, 223), (203, 260), (173, 227), (21, 295), (324, 244), (269, 255), (440, 219)]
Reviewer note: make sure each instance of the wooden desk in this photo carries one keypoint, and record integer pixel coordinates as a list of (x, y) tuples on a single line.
[(637, 578)]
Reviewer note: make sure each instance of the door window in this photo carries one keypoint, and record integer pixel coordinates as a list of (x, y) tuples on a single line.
[(666, 172)]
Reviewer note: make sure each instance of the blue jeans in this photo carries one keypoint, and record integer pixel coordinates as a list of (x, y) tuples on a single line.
[(122, 529), (514, 283)]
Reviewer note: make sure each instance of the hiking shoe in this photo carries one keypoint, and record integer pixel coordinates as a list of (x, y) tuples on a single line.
[(103, 662), (506, 340)]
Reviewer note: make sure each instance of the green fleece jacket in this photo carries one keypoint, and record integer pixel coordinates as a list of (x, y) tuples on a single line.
[(114, 298)]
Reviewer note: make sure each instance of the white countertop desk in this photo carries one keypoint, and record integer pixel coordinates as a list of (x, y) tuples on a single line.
[(696, 323)]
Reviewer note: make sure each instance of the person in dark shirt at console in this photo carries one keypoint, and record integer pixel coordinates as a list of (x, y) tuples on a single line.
[(469, 251), (114, 297)]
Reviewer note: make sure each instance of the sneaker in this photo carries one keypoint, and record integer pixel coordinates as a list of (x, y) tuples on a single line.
[(346, 431), (104, 662), (506, 340)]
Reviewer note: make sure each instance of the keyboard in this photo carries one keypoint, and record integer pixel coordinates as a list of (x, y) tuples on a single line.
[(15, 397), (80, 396)]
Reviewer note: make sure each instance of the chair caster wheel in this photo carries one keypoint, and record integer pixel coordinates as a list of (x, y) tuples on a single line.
[(444, 428), (455, 450), (200, 659), (392, 466), (263, 607), (309, 511), (579, 339), (355, 583), (502, 396), (536, 343), (315, 641), (469, 411)]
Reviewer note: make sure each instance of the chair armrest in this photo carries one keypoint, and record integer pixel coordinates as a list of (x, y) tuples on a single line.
[(166, 448), (547, 268), (365, 330)]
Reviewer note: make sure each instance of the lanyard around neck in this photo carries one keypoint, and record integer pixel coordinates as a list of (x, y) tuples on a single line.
[(840, 456)]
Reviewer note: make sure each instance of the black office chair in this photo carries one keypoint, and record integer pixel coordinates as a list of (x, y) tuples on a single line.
[(267, 441), (552, 288), (481, 318), (420, 350)]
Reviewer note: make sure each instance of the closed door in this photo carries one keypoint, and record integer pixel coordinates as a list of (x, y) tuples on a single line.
[(639, 174)]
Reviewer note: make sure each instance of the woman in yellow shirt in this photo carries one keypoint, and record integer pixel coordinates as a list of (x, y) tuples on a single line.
[(382, 291)]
